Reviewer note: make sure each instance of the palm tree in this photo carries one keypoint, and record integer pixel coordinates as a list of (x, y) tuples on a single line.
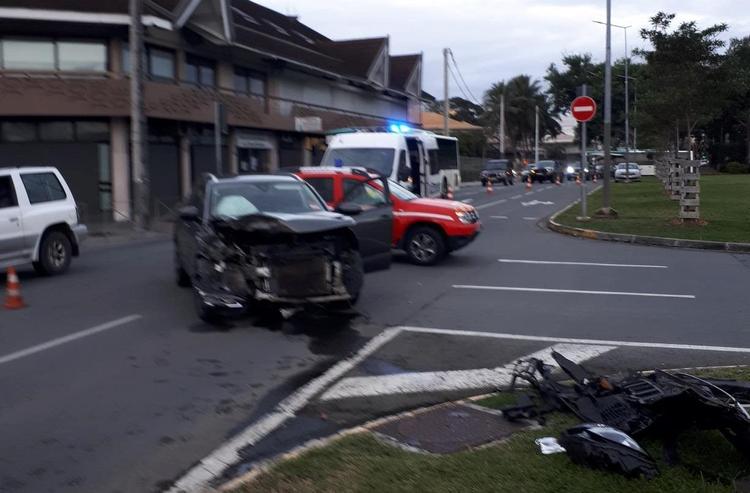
[(522, 95)]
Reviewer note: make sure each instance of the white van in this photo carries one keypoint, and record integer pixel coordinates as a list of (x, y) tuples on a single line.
[(425, 162), (38, 220)]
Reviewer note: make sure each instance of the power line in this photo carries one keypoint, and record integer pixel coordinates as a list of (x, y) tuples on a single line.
[(473, 98), (458, 84)]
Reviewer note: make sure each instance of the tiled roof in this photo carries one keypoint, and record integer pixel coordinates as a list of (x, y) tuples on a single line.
[(434, 121)]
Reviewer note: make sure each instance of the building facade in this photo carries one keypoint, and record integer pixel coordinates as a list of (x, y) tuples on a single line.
[(65, 93)]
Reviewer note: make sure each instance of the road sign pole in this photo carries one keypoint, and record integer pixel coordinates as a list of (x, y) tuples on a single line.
[(584, 212)]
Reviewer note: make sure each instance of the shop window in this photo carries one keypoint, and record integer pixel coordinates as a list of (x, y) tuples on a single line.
[(29, 54), (92, 131), (61, 131), (17, 132), (80, 56), (200, 71), (161, 63)]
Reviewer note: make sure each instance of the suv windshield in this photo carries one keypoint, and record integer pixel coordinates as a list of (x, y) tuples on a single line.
[(379, 160), (400, 192), (237, 199)]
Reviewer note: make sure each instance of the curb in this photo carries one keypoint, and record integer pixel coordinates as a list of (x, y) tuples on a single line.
[(592, 234)]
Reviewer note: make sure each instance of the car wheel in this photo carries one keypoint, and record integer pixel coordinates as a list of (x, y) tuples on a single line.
[(353, 274), (208, 314), (54, 254), (181, 275), (484, 183), (425, 245)]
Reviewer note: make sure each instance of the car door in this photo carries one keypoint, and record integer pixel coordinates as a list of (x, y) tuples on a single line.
[(374, 224), (187, 230), (13, 247)]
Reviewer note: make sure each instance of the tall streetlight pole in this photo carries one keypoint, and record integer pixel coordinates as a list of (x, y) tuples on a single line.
[(502, 126), (141, 182), (446, 102), (606, 199), (536, 134)]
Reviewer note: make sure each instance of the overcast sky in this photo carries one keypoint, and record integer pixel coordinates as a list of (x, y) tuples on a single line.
[(494, 40)]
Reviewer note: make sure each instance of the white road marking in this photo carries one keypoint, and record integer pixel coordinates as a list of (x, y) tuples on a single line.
[(530, 218), (498, 217), (467, 201), (197, 479), (446, 381), (523, 337), (537, 202), (516, 196), (68, 338), (573, 291), (490, 204), (594, 264)]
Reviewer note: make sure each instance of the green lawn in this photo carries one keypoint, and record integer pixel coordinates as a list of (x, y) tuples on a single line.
[(644, 209)]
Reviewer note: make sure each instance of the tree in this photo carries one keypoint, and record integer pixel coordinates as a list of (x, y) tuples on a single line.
[(578, 69), (460, 109), (522, 95), (737, 80), (682, 78)]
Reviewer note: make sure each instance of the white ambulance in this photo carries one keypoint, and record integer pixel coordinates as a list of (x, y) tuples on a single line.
[(425, 162)]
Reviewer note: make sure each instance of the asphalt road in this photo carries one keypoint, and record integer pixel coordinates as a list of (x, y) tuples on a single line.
[(136, 400)]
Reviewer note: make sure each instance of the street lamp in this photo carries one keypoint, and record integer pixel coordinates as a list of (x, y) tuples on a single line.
[(627, 94)]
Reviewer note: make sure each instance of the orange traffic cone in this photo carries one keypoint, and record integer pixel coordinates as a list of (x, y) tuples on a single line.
[(528, 184), (578, 180), (489, 187), (13, 300), (557, 180), (449, 195), (594, 178)]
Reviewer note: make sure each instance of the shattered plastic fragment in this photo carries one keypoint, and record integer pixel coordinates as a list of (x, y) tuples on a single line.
[(549, 445)]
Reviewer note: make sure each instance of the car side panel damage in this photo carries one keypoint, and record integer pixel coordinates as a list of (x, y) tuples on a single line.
[(266, 259), (659, 404)]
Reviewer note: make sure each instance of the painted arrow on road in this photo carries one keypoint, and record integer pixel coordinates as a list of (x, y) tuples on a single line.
[(536, 202)]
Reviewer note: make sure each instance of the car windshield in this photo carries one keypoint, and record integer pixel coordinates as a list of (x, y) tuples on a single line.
[(379, 160), (497, 164), (628, 165), (400, 192), (237, 199)]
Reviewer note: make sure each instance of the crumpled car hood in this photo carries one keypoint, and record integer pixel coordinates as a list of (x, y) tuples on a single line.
[(313, 222)]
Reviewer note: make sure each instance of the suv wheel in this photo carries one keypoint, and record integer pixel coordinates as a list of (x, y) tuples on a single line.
[(181, 275), (425, 245), (353, 274), (54, 254)]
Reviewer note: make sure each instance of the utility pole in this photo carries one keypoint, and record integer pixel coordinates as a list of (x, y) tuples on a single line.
[(584, 162), (606, 201), (502, 126), (218, 124), (446, 103), (536, 134), (141, 182)]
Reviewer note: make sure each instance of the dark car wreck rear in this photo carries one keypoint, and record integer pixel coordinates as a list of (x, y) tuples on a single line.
[(285, 258)]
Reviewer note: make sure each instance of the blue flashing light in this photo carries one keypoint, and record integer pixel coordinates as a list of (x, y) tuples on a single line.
[(399, 128)]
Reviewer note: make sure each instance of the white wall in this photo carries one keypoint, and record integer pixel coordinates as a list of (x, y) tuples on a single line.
[(334, 95)]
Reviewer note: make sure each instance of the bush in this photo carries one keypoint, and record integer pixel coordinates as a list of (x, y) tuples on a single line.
[(736, 168)]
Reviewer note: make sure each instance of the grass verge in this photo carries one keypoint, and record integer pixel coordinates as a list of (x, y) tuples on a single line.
[(644, 209)]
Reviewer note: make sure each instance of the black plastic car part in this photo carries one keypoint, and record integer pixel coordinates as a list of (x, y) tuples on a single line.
[(602, 447)]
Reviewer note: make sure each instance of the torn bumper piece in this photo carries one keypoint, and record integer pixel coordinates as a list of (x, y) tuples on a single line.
[(224, 303)]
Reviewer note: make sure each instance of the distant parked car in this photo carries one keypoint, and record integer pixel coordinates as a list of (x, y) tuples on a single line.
[(627, 171), (496, 171), (38, 220)]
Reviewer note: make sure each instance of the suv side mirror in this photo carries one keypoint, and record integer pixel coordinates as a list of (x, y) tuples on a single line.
[(349, 209), (189, 213)]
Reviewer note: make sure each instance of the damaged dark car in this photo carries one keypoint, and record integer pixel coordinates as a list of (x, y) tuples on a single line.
[(270, 241)]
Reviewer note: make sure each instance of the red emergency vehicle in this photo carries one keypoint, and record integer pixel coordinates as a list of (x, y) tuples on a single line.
[(426, 229)]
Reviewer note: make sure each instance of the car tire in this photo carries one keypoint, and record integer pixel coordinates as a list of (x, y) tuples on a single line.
[(425, 245), (181, 276), (207, 314), (55, 252), (353, 274)]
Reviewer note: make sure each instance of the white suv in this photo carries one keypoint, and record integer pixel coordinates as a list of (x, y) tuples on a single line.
[(38, 220)]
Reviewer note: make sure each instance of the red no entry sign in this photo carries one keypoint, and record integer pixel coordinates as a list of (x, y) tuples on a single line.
[(583, 108)]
